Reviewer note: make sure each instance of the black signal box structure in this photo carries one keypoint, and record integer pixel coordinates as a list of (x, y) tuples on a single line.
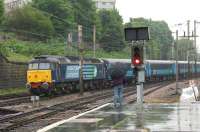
[(136, 34)]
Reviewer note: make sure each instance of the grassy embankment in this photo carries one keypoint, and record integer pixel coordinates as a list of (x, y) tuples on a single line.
[(23, 51), (9, 91)]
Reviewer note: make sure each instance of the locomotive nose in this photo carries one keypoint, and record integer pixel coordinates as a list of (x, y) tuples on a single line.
[(39, 76)]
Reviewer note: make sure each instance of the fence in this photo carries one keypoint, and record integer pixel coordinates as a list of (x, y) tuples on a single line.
[(12, 74)]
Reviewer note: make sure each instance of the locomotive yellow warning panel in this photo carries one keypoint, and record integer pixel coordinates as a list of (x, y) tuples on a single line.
[(35, 76)]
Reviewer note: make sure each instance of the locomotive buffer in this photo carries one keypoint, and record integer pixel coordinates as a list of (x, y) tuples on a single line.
[(137, 37)]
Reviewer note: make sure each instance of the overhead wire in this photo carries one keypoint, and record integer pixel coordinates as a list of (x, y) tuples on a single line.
[(25, 31), (75, 23)]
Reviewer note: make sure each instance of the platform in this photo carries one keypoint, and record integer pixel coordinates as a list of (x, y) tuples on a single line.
[(154, 117)]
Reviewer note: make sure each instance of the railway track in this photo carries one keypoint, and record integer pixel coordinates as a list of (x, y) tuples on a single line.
[(11, 96), (14, 101), (12, 122)]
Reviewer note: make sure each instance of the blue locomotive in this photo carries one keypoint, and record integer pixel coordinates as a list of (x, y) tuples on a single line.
[(57, 74), (47, 74)]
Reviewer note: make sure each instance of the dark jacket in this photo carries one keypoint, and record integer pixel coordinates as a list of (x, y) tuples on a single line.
[(117, 81)]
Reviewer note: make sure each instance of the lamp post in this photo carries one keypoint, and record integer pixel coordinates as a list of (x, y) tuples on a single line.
[(176, 50)]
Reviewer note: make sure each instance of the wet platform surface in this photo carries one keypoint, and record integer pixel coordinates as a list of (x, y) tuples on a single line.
[(152, 117)]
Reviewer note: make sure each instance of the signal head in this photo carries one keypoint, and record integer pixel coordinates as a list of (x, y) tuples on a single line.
[(137, 56)]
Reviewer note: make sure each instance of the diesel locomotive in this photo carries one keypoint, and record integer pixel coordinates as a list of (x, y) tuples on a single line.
[(58, 74), (47, 74)]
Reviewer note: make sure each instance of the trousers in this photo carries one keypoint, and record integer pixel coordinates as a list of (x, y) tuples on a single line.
[(118, 95)]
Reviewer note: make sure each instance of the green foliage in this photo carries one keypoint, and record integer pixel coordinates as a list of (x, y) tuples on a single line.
[(184, 46), (33, 48), (63, 17), (30, 23), (1, 10), (112, 38), (160, 44), (67, 14), (25, 50), (60, 12), (9, 91), (85, 14)]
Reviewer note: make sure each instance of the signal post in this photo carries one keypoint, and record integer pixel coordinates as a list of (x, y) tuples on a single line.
[(137, 61), (138, 36)]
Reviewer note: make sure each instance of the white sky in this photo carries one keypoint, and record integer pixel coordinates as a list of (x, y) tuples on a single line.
[(171, 11)]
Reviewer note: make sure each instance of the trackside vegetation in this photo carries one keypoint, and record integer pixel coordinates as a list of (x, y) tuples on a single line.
[(42, 27), (10, 91)]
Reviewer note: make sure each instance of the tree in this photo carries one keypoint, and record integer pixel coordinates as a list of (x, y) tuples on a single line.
[(85, 13), (1, 10), (185, 45), (160, 44), (112, 38), (60, 12), (29, 22)]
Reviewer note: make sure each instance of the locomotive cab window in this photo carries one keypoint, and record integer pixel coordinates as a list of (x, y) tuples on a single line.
[(33, 66), (44, 66), (40, 66)]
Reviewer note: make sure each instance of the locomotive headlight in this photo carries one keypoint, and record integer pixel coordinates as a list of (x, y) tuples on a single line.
[(28, 86), (45, 85)]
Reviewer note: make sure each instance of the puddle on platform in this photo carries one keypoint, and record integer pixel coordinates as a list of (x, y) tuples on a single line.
[(189, 94), (153, 117)]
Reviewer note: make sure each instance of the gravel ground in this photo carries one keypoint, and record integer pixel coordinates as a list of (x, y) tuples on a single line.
[(167, 94), (25, 107)]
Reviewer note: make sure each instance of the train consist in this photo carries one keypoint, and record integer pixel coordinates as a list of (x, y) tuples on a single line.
[(57, 74)]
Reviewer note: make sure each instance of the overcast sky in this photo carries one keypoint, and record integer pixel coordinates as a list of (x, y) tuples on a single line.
[(171, 11)]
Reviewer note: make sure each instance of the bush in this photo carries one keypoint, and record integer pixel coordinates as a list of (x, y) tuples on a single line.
[(1, 10)]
